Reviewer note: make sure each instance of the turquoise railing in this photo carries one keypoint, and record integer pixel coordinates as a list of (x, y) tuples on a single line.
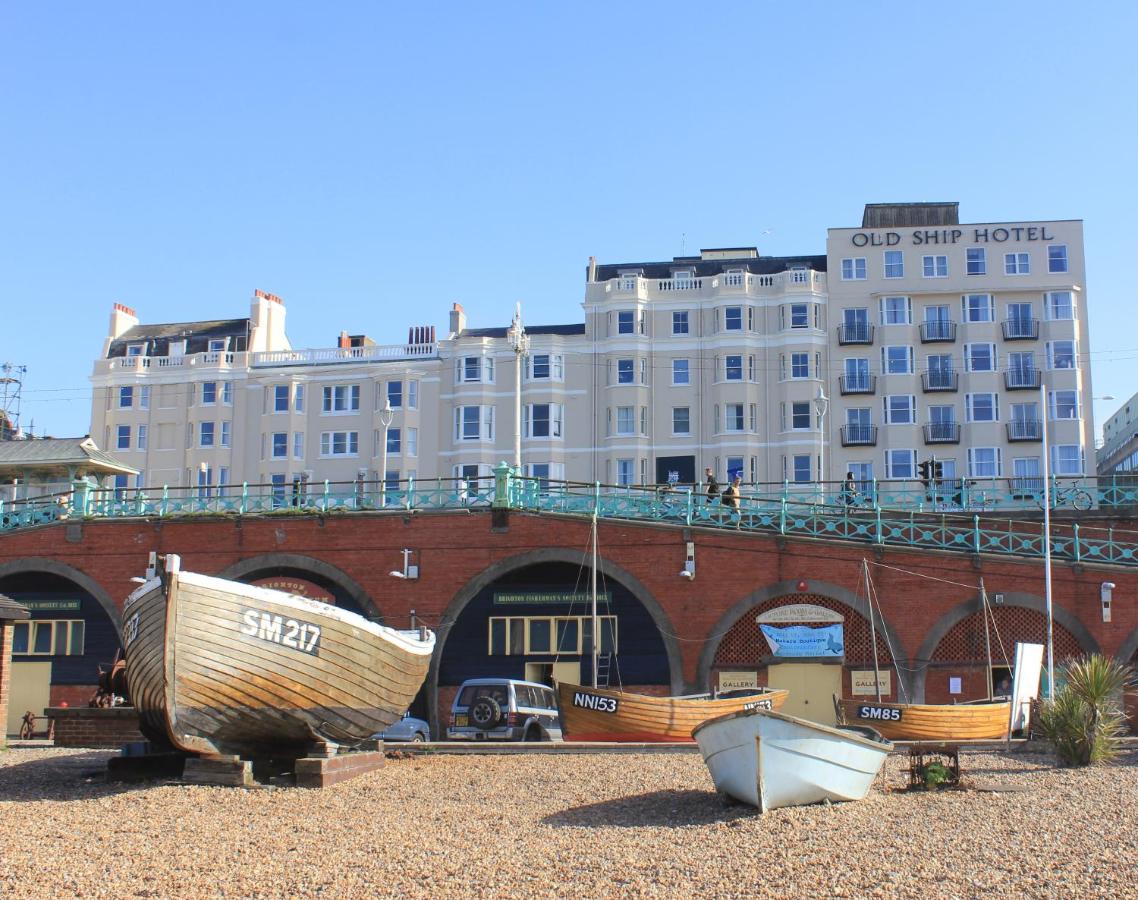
[(923, 517)]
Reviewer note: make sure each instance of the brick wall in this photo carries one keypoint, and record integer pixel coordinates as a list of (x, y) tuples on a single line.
[(99, 728), (455, 549)]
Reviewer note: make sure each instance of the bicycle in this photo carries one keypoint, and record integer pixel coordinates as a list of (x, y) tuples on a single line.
[(1079, 498)]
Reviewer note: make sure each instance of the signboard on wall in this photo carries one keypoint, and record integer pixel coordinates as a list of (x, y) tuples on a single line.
[(299, 586), (549, 598), (737, 681), (802, 640), (862, 683), (799, 612), (68, 604)]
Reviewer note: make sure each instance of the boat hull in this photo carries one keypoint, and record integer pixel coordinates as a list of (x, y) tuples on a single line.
[(771, 760), (930, 722), (219, 667), (605, 714)]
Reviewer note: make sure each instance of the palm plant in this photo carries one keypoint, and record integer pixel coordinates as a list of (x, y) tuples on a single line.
[(1085, 720)]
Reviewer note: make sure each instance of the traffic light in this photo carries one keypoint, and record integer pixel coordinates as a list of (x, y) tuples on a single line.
[(925, 471), (938, 470)]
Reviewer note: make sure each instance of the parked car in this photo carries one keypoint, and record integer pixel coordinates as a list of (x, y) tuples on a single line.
[(504, 709), (406, 729)]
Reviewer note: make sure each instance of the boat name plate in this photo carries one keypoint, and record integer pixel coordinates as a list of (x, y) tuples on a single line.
[(302, 636), (759, 704), (595, 702), (879, 713)]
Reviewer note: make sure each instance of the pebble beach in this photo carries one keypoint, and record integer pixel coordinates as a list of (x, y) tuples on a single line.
[(595, 825)]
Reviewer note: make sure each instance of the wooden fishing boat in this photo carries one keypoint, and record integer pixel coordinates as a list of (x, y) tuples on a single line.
[(219, 667), (981, 721), (607, 714), (771, 760)]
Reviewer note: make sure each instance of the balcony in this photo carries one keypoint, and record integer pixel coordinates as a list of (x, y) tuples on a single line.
[(942, 433), (726, 284), (1025, 430), (938, 332), (859, 435), (335, 355), (940, 380), (1022, 379), (1021, 329), (855, 333), (857, 384)]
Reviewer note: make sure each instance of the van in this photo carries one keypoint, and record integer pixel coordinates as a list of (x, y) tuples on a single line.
[(504, 709)]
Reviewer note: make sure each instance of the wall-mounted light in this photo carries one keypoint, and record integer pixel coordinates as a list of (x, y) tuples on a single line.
[(1105, 593), (410, 570), (688, 571)]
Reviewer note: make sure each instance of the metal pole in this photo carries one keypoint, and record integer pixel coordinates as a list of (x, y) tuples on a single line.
[(385, 416), (518, 408), (872, 631), (593, 591), (1047, 546)]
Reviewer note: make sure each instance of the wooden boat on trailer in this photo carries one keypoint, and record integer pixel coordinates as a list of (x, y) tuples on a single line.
[(771, 760), (607, 714), (218, 667)]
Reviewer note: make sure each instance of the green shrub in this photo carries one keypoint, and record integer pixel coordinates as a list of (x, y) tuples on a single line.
[(1086, 720), (935, 774)]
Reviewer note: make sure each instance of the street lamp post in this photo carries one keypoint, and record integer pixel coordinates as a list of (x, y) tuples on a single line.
[(821, 404), (519, 340), (385, 416)]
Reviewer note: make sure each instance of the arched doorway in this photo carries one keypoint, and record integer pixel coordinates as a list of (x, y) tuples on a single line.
[(308, 577), (530, 618), (956, 669), (57, 652), (746, 656)]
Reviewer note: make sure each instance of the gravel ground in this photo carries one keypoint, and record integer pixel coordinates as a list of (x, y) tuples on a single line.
[(565, 826)]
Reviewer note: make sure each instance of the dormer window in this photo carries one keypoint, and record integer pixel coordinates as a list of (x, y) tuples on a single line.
[(217, 345), (177, 348), (136, 349), (682, 277)]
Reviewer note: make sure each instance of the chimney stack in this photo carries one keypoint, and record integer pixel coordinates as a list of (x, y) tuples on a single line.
[(457, 320)]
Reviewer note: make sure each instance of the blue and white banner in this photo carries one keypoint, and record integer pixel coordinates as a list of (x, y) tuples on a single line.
[(802, 640)]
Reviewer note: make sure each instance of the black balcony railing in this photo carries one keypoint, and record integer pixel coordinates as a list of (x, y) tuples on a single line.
[(935, 332), (855, 333), (1025, 430), (1021, 379), (942, 433), (1021, 329), (857, 384), (859, 435), (940, 380)]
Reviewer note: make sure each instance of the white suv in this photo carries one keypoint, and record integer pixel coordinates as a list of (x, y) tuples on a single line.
[(504, 709)]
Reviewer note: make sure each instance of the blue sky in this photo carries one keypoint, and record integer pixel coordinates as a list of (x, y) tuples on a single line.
[(373, 163)]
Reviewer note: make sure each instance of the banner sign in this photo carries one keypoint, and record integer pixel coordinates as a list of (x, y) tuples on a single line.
[(550, 598), (51, 605), (802, 640)]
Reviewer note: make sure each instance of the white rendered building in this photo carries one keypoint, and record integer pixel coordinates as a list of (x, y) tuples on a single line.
[(914, 337)]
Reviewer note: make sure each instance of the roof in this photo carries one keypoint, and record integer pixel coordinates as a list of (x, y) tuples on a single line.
[(196, 334), (536, 329), (60, 453), (909, 215), (756, 265), (10, 609)]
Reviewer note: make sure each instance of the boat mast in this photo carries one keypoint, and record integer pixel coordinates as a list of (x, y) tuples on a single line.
[(872, 630), (1047, 547), (987, 635), (593, 593)]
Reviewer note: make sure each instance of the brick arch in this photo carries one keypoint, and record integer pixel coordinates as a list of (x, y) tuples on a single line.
[(1071, 637), (607, 568), (737, 623), (271, 563), (76, 576)]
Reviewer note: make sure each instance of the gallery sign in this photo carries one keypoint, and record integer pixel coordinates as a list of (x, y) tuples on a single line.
[(549, 598), (862, 683), (737, 681)]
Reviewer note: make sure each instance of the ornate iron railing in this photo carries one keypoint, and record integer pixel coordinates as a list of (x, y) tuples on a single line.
[(948, 514)]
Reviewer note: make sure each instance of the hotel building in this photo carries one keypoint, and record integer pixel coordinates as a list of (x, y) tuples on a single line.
[(914, 337)]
